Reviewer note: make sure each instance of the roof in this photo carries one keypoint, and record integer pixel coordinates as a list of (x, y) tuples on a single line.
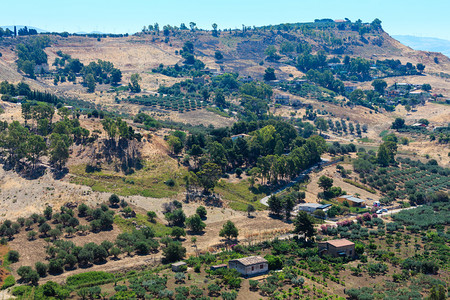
[(352, 198), (340, 243), (251, 260), (311, 205), (236, 136), (177, 264), (324, 206)]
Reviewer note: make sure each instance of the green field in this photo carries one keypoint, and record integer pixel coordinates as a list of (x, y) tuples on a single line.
[(147, 182)]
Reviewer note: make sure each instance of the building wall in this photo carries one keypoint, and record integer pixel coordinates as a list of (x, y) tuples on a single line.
[(351, 203), (249, 270), (349, 250), (333, 251)]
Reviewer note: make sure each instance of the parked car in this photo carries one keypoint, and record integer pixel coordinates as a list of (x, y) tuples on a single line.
[(380, 211)]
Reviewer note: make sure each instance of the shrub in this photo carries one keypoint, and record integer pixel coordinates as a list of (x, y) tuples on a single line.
[(177, 232), (201, 211), (214, 290), (20, 290), (89, 278), (170, 182), (41, 269), (253, 284), (13, 256), (55, 266), (298, 281), (9, 282), (179, 277), (229, 295), (174, 252), (275, 262), (151, 216), (114, 200)]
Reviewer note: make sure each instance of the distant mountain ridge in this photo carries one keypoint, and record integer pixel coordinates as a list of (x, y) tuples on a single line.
[(425, 43)]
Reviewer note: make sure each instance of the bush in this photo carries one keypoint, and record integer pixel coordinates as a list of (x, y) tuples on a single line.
[(253, 284), (170, 182), (55, 266), (13, 256), (9, 282), (21, 290), (201, 211), (174, 252), (197, 268), (41, 269), (275, 262), (89, 278), (114, 200), (177, 232)]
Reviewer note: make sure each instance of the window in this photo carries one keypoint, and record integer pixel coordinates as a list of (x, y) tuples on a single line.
[(261, 266), (253, 268)]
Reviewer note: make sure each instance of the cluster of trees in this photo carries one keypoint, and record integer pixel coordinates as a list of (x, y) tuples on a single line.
[(307, 61), (101, 72), (442, 134), (326, 79), (31, 53), (64, 254), (148, 122), (9, 91), (31, 142), (392, 67), (6, 32), (174, 214), (273, 150), (25, 31), (283, 205)]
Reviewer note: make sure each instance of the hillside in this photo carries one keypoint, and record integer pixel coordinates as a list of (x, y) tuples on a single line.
[(121, 155)]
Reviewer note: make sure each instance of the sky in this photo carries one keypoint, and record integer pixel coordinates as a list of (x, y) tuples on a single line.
[(400, 17)]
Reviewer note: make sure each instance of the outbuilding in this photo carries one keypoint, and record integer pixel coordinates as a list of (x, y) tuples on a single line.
[(249, 266), (217, 267), (352, 200), (179, 266), (312, 207), (337, 248)]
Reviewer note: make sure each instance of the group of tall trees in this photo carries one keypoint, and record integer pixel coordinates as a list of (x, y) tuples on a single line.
[(40, 136), (270, 150), (9, 91), (31, 53), (100, 72)]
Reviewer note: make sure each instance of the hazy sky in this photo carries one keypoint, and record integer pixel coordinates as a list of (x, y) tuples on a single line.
[(408, 17)]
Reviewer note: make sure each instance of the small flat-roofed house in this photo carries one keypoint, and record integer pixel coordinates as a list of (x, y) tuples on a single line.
[(282, 99), (337, 248), (351, 200), (310, 207), (349, 88), (249, 266), (179, 266), (239, 136), (217, 267)]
